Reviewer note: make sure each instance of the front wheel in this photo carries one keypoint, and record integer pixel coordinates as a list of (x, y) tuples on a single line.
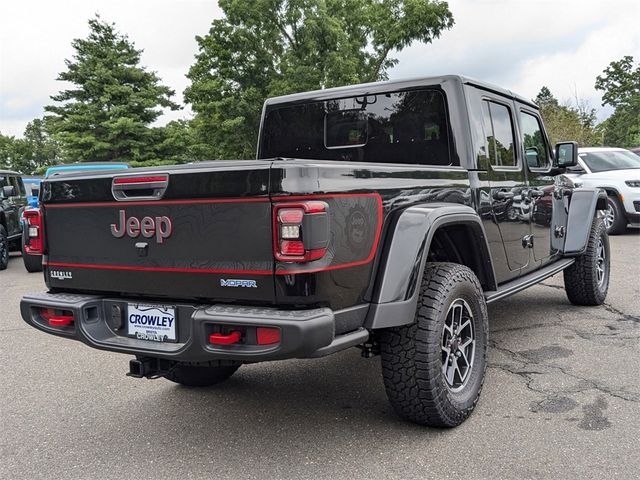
[(615, 220), (200, 376), (587, 280), (434, 368)]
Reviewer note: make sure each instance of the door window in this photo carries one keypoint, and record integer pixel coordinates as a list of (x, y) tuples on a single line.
[(498, 127), (535, 147)]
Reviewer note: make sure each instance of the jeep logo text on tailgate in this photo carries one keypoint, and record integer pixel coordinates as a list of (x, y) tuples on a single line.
[(148, 227)]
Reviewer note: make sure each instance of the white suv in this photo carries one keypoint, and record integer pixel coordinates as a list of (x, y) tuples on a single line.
[(617, 171)]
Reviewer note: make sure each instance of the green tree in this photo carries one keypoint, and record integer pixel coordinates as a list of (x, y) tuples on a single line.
[(620, 82), (567, 122), (106, 113), (9, 151), (264, 48), (26, 155), (42, 149)]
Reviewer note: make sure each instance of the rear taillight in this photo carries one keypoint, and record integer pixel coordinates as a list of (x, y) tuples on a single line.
[(34, 238), (301, 231)]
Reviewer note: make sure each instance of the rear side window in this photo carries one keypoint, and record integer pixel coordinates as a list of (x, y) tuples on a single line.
[(498, 128), (535, 147), (397, 127)]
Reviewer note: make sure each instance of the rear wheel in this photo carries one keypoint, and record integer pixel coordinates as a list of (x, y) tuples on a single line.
[(434, 368), (615, 220), (4, 248), (587, 280), (33, 263), (200, 376)]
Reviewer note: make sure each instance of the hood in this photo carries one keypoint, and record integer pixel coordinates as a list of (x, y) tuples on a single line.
[(614, 175)]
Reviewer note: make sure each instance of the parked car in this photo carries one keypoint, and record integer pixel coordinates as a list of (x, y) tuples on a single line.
[(33, 261), (365, 221), (617, 171), (32, 186), (13, 200)]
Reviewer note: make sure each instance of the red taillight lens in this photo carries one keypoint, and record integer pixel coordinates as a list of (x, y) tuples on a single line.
[(293, 248), (34, 239), (54, 319), (267, 335), (300, 231), (290, 215)]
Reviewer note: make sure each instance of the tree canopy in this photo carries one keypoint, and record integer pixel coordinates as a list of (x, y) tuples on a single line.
[(620, 82), (106, 113), (264, 48), (567, 122), (28, 154)]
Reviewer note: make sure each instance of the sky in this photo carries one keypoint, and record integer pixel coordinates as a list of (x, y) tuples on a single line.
[(517, 44)]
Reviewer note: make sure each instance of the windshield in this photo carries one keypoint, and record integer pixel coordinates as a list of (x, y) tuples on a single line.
[(610, 160)]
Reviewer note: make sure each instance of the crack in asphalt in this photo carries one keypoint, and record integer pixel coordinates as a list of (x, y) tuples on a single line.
[(527, 372), (623, 316)]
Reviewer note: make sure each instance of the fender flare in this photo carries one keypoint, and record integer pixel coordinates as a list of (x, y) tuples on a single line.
[(409, 237), (582, 207)]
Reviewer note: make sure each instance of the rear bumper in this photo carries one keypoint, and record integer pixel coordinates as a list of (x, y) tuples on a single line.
[(303, 333)]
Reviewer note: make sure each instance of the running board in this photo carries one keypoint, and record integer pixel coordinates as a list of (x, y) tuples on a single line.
[(527, 280)]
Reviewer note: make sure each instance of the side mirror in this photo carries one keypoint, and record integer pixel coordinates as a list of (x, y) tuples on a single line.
[(8, 191), (566, 154)]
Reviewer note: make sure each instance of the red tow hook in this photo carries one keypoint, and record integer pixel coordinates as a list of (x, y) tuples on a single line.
[(57, 320), (220, 339)]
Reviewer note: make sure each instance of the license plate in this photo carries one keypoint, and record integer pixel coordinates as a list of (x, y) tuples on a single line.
[(156, 323)]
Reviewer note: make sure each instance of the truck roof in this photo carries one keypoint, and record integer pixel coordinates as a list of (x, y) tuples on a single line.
[(9, 171), (376, 87)]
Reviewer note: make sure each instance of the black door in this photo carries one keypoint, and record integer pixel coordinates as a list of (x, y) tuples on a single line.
[(547, 207), (507, 184)]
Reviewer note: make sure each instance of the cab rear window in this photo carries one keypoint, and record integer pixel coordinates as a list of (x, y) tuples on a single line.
[(396, 127)]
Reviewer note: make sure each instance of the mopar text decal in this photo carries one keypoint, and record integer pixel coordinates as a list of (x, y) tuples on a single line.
[(238, 283), (148, 227)]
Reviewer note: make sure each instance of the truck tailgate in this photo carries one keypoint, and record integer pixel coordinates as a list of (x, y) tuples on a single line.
[(205, 233)]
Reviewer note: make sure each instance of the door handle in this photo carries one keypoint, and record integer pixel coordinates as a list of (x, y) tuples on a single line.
[(503, 195)]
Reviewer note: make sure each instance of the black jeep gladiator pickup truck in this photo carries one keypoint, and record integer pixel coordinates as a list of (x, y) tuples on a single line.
[(384, 216)]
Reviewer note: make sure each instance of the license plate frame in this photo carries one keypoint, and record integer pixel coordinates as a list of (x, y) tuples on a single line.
[(153, 322)]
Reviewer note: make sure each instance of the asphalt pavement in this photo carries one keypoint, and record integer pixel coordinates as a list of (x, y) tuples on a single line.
[(561, 400)]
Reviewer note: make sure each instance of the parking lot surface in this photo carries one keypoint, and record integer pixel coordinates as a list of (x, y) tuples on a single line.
[(561, 400)]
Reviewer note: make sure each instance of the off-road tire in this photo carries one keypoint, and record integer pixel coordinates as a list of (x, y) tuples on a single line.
[(4, 248), (200, 376), (619, 224), (581, 279), (33, 263), (412, 362)]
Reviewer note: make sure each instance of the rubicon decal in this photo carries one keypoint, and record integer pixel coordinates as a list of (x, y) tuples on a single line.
[(149, 227), (60, 275)]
